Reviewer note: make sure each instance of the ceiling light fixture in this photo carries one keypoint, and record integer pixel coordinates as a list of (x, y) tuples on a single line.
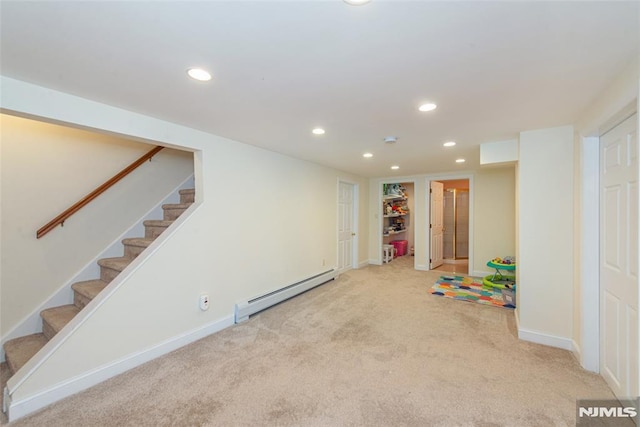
[(199, 74), (367, 155), (318, 131), (427, 107), (356, 2), (449, 144), (391, 139), (460, 160), (395, 167)]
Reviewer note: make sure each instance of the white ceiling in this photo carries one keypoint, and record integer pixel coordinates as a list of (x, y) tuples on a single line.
[(283, 68)]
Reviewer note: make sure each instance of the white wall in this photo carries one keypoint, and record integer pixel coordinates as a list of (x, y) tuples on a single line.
[(492, 153), (615, 98), (494, 216), (45, 169), (261, 221), (545, 262)]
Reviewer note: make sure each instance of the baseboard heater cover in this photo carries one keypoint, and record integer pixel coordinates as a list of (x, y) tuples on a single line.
[(247, 308)]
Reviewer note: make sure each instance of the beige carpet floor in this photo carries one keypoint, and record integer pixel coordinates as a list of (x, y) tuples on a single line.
[(373, 348)]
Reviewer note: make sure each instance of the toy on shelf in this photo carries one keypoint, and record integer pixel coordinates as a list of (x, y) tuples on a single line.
[(397, 190)]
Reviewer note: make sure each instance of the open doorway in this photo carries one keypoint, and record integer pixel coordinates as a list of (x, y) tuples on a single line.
[(449, 225), (398, 223)]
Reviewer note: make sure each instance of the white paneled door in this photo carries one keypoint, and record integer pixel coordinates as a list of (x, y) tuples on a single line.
[(619, 259), (436, 226), (346, 228)]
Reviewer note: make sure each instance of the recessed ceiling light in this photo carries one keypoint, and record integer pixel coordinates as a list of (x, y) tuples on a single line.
[(427, 107), (394, 167), (357, 2), (318, 131), (199, 74), (367, 155), (460, 160), (449, 144)]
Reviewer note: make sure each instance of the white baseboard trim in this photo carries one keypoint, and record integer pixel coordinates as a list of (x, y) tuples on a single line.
[(575, 349), (20, 408), (545, 339), (422, 267), (577, 352), (583, 360), (246, 308), (375, 262), (363, 264)]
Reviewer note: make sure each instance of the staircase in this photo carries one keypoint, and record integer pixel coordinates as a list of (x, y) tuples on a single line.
[(19, 350)]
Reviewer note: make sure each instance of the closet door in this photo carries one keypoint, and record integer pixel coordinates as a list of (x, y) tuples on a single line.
[(619, 259), (346, 231)]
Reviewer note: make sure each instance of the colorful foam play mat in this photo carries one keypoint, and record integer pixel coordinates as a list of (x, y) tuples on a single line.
[(465, 288)]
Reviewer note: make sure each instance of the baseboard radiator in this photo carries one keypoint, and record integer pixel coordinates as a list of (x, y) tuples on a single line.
[(252, 306)]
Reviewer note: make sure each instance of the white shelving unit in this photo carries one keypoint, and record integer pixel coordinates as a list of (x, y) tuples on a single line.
[(394, 223)]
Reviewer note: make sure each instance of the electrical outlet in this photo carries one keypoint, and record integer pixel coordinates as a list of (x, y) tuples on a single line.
[(204, 302)]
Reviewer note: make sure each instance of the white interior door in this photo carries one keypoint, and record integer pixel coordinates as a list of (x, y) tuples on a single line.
[(346, 232), (619, 259), (436, 226)]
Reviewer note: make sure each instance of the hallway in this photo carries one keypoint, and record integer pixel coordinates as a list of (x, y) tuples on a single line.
[(456, 267)]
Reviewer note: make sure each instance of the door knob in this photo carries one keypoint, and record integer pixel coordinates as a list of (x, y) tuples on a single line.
[(353, 234)]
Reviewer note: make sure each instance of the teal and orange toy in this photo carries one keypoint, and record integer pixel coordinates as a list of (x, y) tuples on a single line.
[(506, 261), (497, 279)]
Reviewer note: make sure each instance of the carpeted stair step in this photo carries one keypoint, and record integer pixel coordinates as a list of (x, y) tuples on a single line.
[(154, 227), (173, 211), (19, 350), (134, 247), (54, 319), (83, 292), (111, 267), (188, 195)]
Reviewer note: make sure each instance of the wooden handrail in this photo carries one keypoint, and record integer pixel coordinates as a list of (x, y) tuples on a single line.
[(60, 219)]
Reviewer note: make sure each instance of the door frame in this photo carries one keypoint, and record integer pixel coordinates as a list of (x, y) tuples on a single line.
[(380, 215), (354, 220), (589, 351), (467, 176)]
